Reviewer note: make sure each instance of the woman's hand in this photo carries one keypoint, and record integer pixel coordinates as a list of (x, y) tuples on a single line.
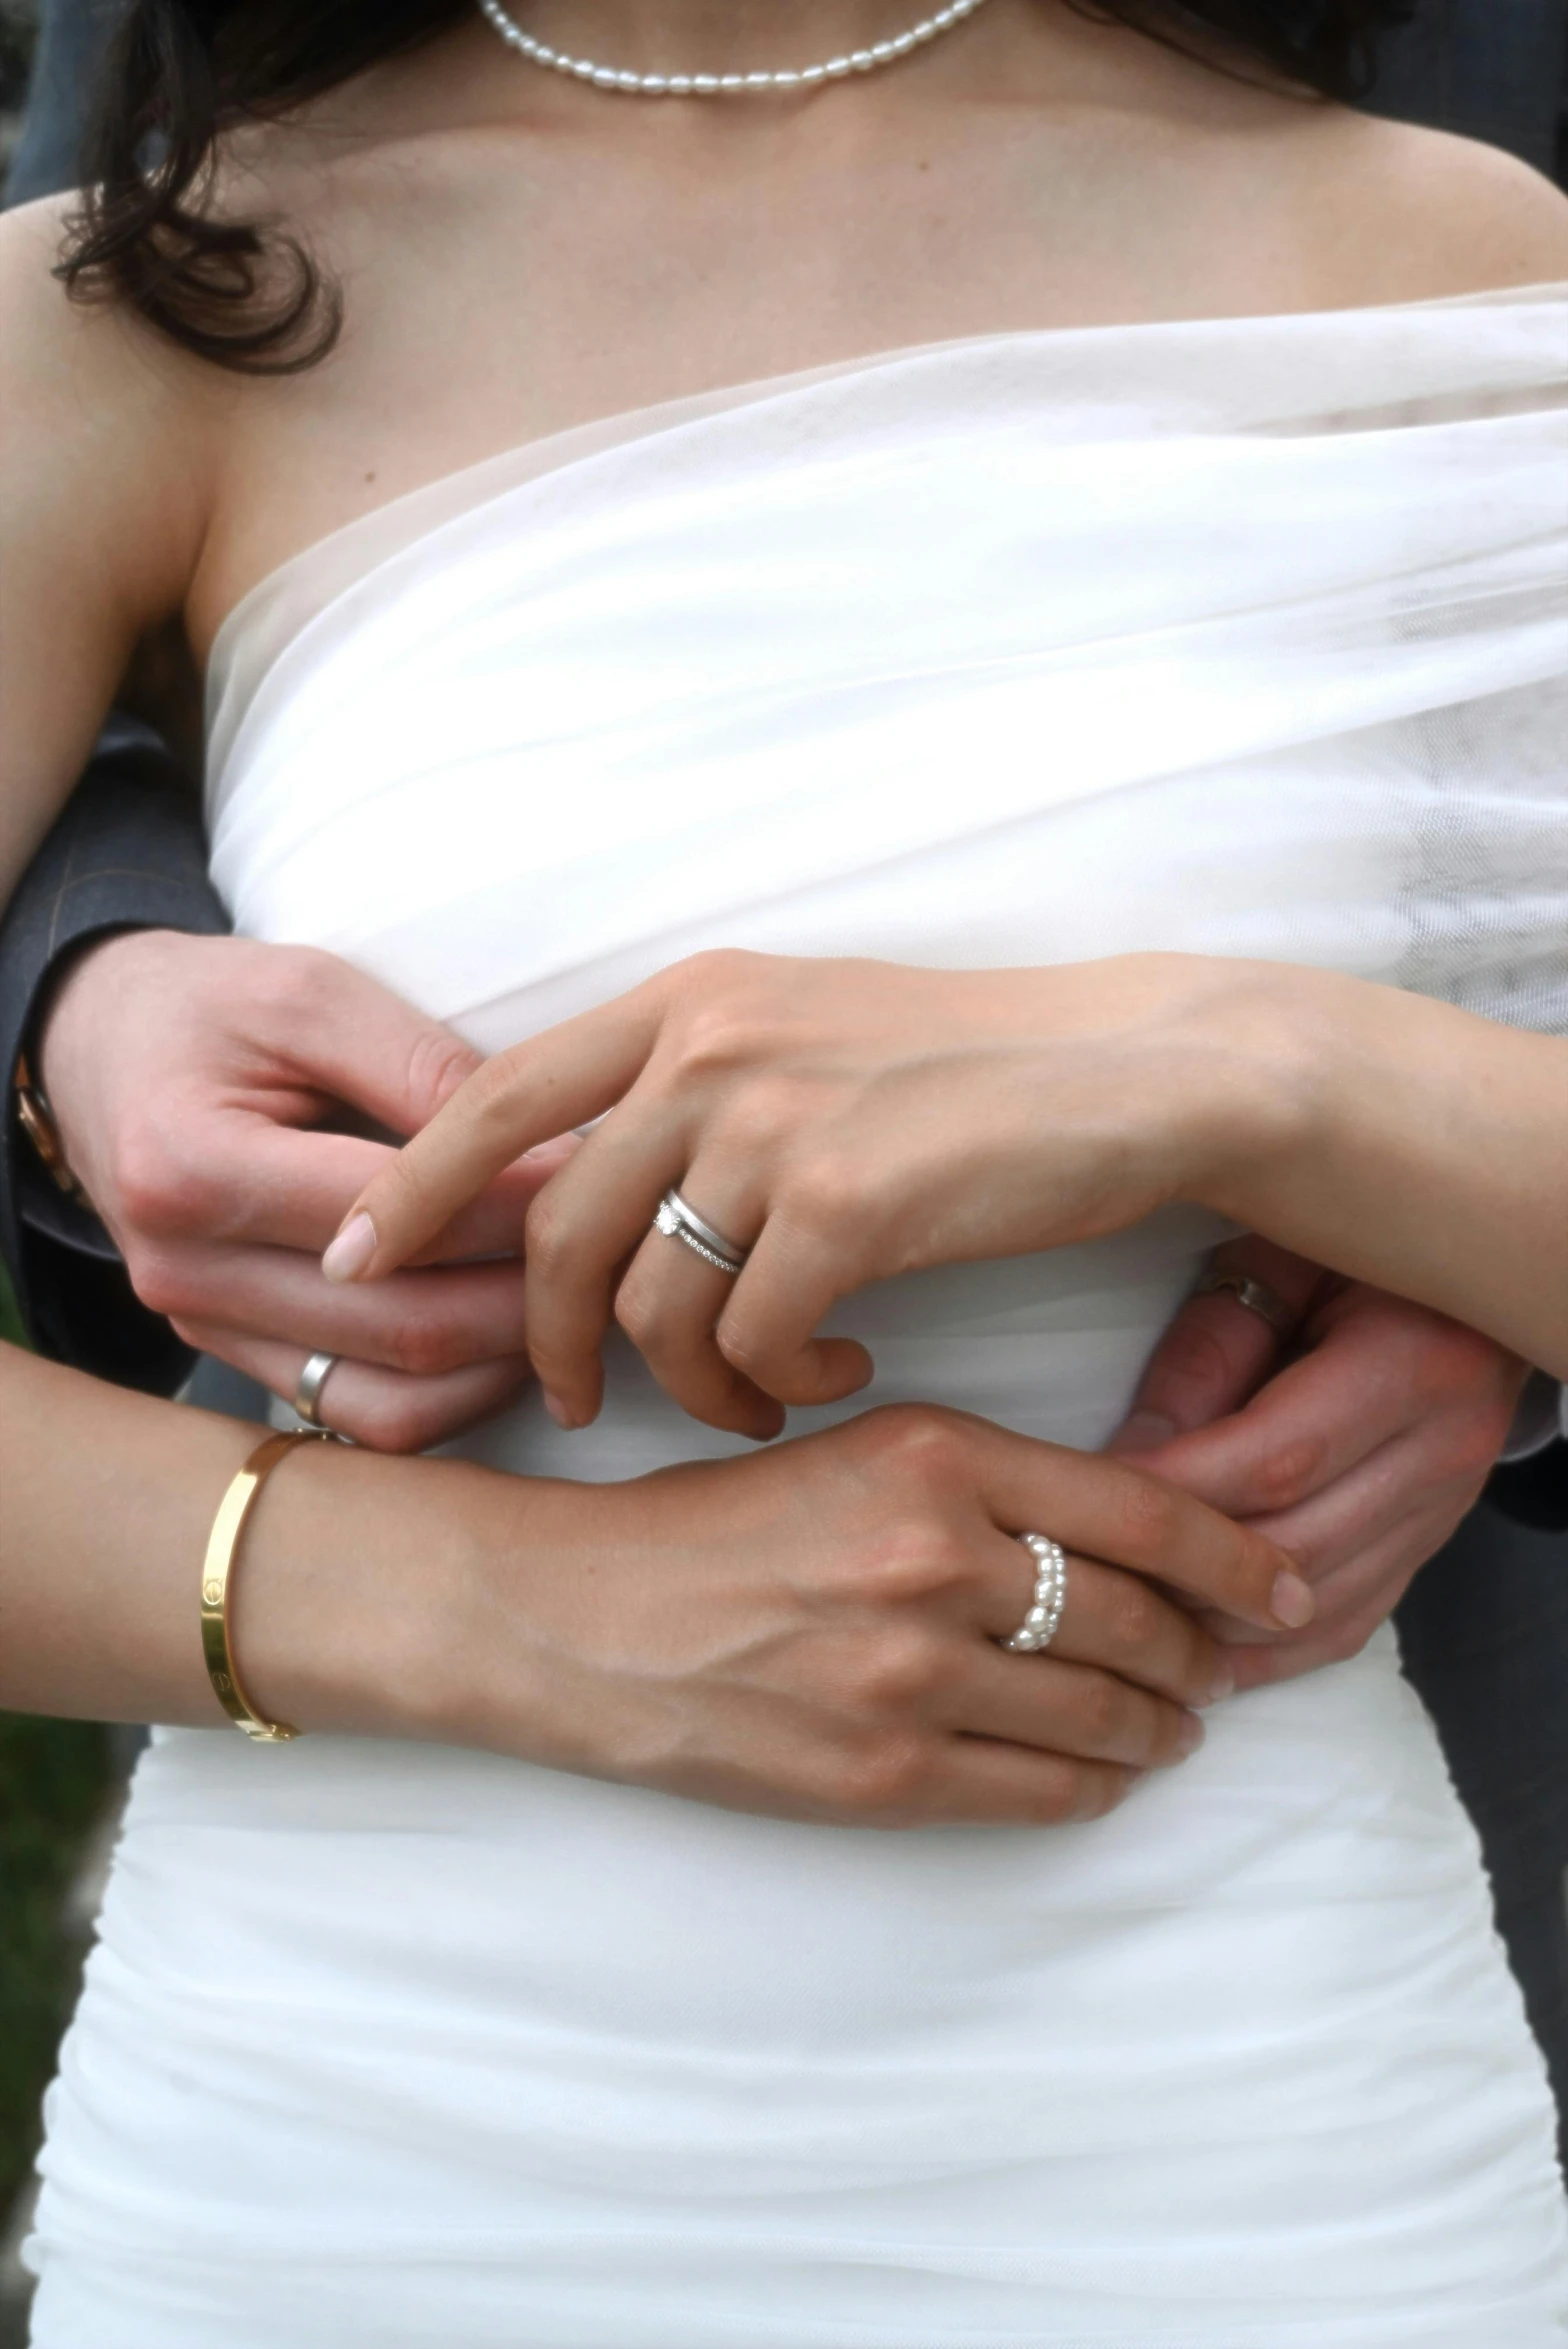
[(844, 1121), (813, 1631)]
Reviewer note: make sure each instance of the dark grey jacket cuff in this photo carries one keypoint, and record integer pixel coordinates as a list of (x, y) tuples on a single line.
[(128, 853)]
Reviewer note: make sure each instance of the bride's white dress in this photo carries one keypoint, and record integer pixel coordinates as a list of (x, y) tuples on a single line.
[(1243, 638)]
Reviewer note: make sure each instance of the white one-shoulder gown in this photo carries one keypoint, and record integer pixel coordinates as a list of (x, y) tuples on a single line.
[(1243, 638)]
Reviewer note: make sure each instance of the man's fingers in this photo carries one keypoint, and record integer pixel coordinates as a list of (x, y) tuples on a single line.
[(521, 1098), (1376, 1370), (239, 1177), (345, 1034), (1355, 1601), (1217, 1349), (1411, 1493), (381, 1409), (424, 1323)]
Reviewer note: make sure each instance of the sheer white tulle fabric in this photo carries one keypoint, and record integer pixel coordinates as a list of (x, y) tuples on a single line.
[(1244, 638)]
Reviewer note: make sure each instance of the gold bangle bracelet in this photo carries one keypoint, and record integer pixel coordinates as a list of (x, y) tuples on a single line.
[(217, 1573)]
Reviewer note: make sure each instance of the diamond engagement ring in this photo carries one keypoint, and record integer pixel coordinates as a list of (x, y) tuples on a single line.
[(677, 1221), (1038, 1628)]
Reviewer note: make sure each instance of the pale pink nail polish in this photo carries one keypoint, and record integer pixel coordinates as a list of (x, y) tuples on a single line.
[(1292, 1601), (351, 1251), (557, 1410)]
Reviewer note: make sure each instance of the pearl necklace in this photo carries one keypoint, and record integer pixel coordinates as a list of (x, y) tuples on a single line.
[(714, 85)]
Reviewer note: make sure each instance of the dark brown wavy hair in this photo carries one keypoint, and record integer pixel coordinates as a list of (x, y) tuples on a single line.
[(248, 296)]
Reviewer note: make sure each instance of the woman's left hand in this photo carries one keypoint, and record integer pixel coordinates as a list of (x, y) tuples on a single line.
[(842, 1122)]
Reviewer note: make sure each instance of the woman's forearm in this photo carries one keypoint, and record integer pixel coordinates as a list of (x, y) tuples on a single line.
[(1402, 1142), (353, 1574), (726, 1630)]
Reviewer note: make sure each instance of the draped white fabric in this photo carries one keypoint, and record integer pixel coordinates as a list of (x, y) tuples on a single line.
[(1243, 638)]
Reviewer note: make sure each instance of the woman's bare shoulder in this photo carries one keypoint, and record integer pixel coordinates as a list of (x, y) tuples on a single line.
[(1404, 214), (106, 423), (103, 490)]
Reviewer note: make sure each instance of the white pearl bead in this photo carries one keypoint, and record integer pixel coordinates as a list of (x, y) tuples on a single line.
[(682, 85)]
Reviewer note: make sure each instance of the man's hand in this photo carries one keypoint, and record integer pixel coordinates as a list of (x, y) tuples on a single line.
[(1359, 1457), (194, 1081)]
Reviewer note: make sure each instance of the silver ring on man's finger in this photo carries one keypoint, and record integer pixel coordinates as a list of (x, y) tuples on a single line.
[(307, 1395), (678, 1221), (1256, 1296), (1039, 1627)]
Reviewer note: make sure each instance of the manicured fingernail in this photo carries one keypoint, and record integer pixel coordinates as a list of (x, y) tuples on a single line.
[(1190, 1736), (1223, 1685), (1143, 1431), (558, 1410), (1292, 1601), (351, 1251)]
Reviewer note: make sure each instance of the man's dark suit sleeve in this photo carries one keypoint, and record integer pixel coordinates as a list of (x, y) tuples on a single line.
[(128, 853)]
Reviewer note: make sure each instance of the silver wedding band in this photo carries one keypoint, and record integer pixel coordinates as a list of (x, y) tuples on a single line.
[(677, 1221), (307, 1395), (1256, 1296), (1039, 1627)]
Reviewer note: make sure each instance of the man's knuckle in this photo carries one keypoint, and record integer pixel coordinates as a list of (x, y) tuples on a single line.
[(1290, 1471), (1192, 1353), (437, 1064), (393, 1424), (424, 1345), (161, 1188), (161, 1279), (296, 983)]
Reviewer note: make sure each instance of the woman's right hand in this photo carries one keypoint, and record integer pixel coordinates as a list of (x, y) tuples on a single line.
[(812, 1631)]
